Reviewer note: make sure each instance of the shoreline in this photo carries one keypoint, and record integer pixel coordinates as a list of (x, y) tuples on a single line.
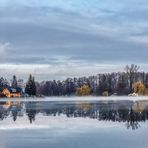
[(75, 98)]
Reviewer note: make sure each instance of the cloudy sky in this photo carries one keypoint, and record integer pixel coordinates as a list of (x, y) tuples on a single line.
[(55, 39)]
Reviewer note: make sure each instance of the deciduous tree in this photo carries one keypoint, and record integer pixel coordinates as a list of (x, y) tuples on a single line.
[(131, 71), (139, 88), (83, 90)]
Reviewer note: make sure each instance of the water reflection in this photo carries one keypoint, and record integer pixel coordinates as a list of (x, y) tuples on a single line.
[(129, 112)]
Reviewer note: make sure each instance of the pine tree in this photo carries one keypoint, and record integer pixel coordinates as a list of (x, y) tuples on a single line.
[(30, 86), (14, 82)]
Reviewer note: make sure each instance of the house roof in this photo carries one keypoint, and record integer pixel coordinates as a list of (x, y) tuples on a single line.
[(14, 90)]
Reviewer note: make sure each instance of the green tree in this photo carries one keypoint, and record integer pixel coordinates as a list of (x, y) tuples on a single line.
[(30, 86)]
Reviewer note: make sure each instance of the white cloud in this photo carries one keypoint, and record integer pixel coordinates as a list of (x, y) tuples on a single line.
[(69, 38), (143, 39), (60, 71), (4, 47)]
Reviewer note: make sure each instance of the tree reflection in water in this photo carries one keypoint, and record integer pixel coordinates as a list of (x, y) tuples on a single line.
[(132, 113)]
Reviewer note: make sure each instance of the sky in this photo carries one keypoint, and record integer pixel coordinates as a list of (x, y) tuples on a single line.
[(56, 39)]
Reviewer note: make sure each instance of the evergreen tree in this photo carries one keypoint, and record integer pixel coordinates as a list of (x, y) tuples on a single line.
[(31, 86), (14, 82)]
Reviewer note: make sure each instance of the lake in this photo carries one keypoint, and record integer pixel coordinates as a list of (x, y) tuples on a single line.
[(78, 123)]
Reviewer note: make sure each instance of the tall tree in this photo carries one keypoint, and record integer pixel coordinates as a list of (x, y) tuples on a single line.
[(131, 71), (122, 85), (14, 82), (31, 86)]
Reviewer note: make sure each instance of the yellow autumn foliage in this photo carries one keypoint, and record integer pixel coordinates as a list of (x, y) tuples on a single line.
[(83, 90), (139, 88)]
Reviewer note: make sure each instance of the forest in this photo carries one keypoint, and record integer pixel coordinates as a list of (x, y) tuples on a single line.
[(121, 83), (130, 82)]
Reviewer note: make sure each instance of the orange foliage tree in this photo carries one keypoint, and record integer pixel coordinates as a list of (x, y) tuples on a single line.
[(83, 90), (139, 88)]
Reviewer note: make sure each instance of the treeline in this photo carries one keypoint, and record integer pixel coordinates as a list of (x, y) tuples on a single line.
[(131, 81), (121, 83)]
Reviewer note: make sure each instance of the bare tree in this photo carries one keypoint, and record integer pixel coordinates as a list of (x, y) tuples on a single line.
[(131, 71)]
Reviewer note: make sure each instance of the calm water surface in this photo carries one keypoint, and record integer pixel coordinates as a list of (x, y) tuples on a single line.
[(75, 124)]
